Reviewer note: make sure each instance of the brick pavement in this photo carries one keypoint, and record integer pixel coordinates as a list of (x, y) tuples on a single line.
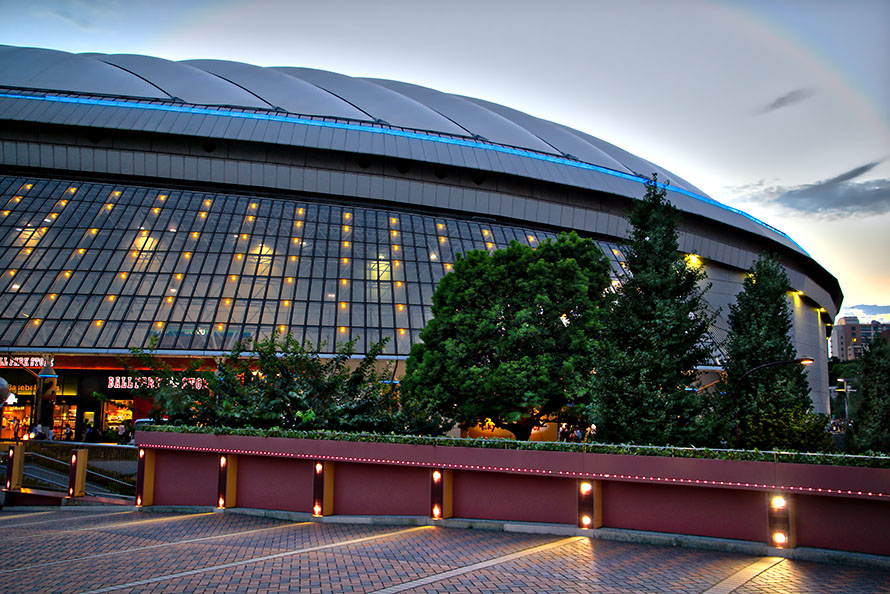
[(152, 552)]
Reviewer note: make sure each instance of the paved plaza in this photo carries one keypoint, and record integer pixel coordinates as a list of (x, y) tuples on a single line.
[(124, 550)]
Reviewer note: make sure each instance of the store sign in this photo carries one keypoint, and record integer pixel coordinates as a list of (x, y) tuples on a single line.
[(37, 362), (129, 382)]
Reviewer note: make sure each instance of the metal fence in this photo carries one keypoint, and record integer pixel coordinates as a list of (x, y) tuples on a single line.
[(111, 469)]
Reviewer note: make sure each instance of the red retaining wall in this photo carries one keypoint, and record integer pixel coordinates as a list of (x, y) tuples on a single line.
[(834, 507)]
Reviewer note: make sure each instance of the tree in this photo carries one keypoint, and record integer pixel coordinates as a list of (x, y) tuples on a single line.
[(771, 406), (283, 383), (508, 340), (655, 337), (871, 416)]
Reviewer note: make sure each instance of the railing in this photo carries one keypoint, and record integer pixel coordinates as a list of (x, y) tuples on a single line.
[(111, 469)]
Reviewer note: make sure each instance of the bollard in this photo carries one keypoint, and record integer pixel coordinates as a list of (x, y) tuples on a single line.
[(145, 478), (440, 494), (227, 483), (323, 489), (15, 466), (77, 475)]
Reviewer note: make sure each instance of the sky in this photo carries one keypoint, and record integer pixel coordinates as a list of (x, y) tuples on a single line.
[(778, 107)]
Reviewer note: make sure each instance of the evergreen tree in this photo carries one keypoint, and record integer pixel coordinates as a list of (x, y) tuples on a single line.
[(508, 341), (643, 387), (871, 417), (770, 406)]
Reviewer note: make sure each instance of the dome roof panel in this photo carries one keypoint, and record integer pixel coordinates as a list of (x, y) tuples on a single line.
[(638, 165), (281, 90), (472, 117), (37, 68), (381, 103), (563, 139), (190, 84)]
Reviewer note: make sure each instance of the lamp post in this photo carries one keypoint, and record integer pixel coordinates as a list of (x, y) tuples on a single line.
[(738, 384)]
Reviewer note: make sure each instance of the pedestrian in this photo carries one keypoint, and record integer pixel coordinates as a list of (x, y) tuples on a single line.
[(67, 433)]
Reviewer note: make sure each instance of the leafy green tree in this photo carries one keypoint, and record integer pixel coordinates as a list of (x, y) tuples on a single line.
[(655, 337), (508, 341), (282, 383), (771, 406), (871, 417)]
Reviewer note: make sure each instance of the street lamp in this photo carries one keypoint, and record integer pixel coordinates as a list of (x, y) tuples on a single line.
[(738, 384)]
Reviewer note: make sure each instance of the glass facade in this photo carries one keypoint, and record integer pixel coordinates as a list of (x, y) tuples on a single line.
[(102, 268)]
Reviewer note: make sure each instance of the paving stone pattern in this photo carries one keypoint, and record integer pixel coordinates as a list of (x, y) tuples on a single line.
[(148, 552)]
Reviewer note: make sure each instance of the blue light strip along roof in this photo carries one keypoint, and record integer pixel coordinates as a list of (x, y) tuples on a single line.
[(293, 119)]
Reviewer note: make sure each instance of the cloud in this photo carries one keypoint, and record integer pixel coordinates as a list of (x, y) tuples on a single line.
[(86, 16), (867, 313), (795, 96), (835, 198)]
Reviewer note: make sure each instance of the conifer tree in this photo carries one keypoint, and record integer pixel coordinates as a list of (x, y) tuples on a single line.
[(643, 387), (871, 417), (770, 406)]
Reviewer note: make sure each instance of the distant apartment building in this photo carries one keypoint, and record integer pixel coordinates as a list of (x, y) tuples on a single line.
[(849, 336)]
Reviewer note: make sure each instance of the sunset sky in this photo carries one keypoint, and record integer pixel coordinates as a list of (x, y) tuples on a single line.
[(778, 107)]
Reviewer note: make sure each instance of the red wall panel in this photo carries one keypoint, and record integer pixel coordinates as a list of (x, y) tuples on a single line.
[(514, 497), (847, 524), (274, 483), (185, 478), (685, 510), (377, 490)]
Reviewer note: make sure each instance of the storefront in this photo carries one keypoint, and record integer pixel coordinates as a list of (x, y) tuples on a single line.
[(97, 393)]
